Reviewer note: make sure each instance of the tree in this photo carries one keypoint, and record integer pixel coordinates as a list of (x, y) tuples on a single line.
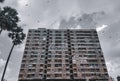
[(1, 1), (17, 37), (8, 19)]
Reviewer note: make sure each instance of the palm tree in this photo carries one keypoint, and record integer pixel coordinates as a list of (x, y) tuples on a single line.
[(17, 37), (8, 19), (1, 1)]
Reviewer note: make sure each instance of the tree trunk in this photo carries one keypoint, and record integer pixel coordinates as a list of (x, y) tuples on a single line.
[(6, 64), (1, 31)]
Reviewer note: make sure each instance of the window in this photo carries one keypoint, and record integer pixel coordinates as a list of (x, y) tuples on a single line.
[(33, 56), (30, 75), (58, 41), (58, 34), (23, 65), (49, 65), (41, 70), (58, 65), (31, 70)]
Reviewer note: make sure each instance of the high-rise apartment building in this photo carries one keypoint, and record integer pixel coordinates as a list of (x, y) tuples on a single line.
[(63, 55)]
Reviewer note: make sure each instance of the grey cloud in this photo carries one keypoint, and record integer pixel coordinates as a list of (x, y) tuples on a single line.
[(113, 68), (12, 3), (67, 13), (95, 13), (110, 38), (85, 20), (0, 52), (68, 24), (110, 43), (14, 63), (2, 62)]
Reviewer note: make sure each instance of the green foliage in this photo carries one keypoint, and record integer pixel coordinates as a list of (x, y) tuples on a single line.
[(17, 35), (8, 18), (1, 1)]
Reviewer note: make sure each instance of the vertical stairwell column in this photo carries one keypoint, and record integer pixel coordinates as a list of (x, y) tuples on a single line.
[(70, 56), (46, 55)]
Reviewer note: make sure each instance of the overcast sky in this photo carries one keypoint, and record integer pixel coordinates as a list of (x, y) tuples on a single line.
[(101, 14)]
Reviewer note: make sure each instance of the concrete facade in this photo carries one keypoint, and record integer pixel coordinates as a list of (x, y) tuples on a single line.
[(63, 54)]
